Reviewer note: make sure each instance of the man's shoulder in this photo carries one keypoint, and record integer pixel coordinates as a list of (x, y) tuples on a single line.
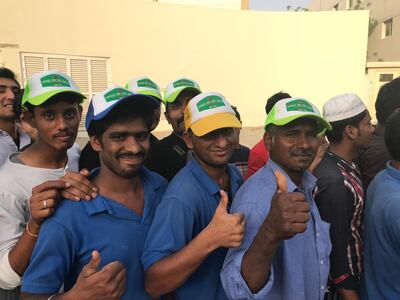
[(328, 171), (261, 184)]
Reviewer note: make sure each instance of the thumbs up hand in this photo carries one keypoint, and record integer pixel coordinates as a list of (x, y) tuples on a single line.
[(289, 212), (225, 229), (99, 284)]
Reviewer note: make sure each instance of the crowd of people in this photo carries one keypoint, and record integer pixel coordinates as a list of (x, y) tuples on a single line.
[(311, 212)]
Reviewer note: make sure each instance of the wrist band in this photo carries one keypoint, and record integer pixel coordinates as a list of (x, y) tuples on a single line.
[(30, 233)]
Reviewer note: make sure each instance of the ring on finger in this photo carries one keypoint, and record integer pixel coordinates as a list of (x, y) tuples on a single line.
[(45, 203)]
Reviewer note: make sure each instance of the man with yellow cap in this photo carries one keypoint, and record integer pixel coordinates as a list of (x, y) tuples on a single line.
[(192, 227)]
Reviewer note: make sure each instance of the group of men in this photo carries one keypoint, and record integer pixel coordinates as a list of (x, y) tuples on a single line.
[(172, 218)]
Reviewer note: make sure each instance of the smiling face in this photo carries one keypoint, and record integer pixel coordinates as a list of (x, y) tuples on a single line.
[(293, 146), (123, 146), (57, 122), (8, 90), (215, 148)]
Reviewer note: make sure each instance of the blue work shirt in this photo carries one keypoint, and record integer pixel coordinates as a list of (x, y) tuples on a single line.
[(67, 239), (381, 278), (300, 267), (186, 209)]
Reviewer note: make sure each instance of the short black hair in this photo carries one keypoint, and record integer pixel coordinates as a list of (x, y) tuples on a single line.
[(392, 135), (67, 97), (127, 110), (7, 73), (336, 134), (388, 100), (275, 98), (17, 105)]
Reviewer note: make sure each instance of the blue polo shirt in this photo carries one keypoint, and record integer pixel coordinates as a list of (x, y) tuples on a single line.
[(187, 208), (382, 237), (68, 238)]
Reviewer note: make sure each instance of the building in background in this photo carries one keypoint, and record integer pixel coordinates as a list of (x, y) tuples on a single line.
[(383, 55)]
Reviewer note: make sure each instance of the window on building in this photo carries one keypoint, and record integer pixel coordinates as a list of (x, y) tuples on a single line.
[(385, 77), (91, 74), (387, 28)]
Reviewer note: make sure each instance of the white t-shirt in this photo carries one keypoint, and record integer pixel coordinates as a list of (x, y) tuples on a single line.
[(16, 183)]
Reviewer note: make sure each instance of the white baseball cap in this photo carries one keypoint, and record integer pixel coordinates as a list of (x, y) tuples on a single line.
[(209, 111), (44, 85), (342, 107), (175, 87), (144, 85), (102, 103)]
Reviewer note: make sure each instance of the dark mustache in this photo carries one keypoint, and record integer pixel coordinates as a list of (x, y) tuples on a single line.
[(64, 133), (130, 155), (299, 152)]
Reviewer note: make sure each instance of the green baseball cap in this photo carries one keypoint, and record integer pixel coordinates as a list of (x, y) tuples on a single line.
[(145, 86), (44, 85), (175, 87), (290, 109)]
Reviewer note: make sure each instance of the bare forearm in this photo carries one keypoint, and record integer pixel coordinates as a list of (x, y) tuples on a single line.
[(20, 255), (257, 261), (171, 272)]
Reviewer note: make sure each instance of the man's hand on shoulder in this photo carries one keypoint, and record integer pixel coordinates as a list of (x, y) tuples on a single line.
[(80, 186)]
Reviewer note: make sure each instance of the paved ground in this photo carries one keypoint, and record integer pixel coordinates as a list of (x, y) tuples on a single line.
[(249, 136)]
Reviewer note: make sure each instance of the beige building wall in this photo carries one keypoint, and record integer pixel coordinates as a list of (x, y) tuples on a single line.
[(245, 55)]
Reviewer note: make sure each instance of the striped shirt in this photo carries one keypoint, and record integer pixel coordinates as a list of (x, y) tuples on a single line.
[(340, 199)]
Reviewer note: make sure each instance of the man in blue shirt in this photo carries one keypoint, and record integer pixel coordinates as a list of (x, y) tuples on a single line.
[(285, 250), (110, 230), (192, 228), (382, 224)]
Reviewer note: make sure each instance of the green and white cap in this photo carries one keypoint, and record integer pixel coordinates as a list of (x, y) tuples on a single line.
[(287, 110), (145, 86), (174, 88), (209, 111), (44, 85)]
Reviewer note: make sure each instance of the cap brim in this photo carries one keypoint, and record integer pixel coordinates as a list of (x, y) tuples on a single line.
[(153, 94), (40, 99), (171, 98), (136, 99), (322, 123), (214, 122)]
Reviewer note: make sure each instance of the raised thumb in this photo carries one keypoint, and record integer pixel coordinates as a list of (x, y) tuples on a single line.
[(223, 202), (93, 264), (281, 184)]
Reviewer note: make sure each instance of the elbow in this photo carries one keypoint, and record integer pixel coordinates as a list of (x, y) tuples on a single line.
[(151, 285)]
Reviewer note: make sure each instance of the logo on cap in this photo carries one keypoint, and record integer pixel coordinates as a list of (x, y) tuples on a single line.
[(299, 105), (146, 83), (184, 82), (54, 80), (210, 103), (116, 94)]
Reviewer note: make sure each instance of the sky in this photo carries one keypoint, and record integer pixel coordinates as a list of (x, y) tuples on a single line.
[(276, 4), (253, 4)]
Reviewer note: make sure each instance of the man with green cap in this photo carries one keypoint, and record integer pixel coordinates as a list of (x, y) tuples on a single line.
[(169, 155), (30, 181), (285, 250)]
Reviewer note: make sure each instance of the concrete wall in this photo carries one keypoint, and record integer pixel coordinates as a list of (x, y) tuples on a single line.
[(246, 55)]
